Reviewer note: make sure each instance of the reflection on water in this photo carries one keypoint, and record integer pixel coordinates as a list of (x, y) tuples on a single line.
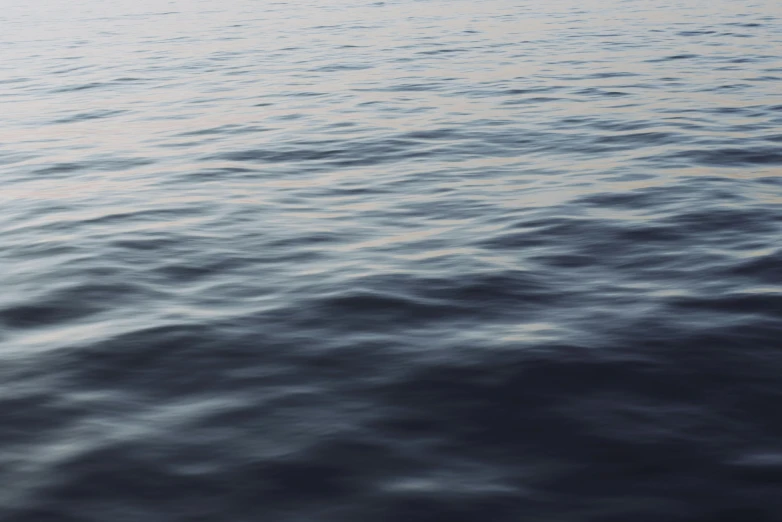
[(400, 260)]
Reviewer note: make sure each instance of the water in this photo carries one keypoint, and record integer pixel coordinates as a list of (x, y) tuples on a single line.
[(412, 261)]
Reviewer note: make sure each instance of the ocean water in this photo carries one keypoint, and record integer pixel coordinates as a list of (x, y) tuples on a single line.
[(407, 260)]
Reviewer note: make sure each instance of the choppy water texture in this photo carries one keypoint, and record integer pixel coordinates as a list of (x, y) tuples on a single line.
[(420, 261)]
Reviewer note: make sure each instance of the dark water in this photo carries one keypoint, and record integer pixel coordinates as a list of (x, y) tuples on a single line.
[(417, 261)]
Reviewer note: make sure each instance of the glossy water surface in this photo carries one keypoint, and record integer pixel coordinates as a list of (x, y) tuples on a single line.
[(412, 260)]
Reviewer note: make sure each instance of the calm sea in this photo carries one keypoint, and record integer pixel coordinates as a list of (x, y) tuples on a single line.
[(396, 261)]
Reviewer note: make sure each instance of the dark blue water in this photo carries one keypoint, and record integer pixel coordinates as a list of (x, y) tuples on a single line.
[(412, 260)]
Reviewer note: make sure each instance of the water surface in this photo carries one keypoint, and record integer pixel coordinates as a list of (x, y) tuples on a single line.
[(411, 260)]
